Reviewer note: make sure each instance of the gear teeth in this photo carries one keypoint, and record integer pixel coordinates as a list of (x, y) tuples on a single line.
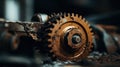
[(52, 15), (57, 21), (68, 14), (80, 17), (61, 17), (64, 14), (51, 29), (49, 40), (49, 34), (89, 25), (76, 15), (84, 19), (87, 22), (92, 33), (50, 47), (58, 14), (90, 29), (73, 15), (61, 13), (53, 24)]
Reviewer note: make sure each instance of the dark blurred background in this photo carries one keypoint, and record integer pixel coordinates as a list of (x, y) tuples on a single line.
[(92, 9)]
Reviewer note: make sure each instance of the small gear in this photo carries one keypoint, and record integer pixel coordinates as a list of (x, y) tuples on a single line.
[(68, 37)]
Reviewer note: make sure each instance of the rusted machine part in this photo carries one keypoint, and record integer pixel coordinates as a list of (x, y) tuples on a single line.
[(104, 40), (116, 38), (114, 35), (11, 42), (17, 34), (109, 42), (8, 41), (37, 18), (68, 37), (20, 25), (22, 28)]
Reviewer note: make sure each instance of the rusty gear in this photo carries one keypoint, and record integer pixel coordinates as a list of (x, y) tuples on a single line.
[(68, 37)]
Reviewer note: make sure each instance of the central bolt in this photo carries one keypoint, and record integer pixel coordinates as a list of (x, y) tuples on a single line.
[(76, 39)]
